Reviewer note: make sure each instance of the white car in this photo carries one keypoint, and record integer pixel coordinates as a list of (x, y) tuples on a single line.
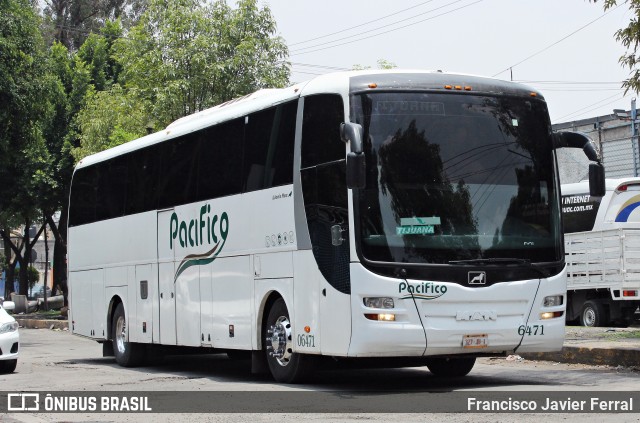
[(9, 342)]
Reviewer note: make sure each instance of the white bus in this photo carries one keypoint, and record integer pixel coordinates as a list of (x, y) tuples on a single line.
[(361, 214), (602, 246)]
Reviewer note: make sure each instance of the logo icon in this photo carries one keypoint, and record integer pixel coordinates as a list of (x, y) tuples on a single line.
[(23, 402), (477, 278)]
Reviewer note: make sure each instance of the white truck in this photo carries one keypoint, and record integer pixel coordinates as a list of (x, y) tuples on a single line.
[(602, 249)]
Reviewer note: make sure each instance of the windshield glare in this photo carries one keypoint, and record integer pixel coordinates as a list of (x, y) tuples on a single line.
[(456, 177)]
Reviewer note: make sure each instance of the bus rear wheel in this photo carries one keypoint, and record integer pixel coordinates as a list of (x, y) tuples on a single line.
[(128, 354), (451, 367), (285, 365)]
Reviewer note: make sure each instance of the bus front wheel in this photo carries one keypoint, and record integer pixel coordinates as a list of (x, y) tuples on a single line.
[(128, 354), (451, 367), (285, 365)]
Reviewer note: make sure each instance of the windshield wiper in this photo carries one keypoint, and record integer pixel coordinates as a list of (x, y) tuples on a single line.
[(501, 260)]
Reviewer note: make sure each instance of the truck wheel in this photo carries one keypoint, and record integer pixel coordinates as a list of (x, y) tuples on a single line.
[(593, 314), (128, 354), (451, 367), (285, 365)]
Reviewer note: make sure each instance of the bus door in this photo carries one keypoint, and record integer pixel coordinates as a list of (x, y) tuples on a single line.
[(166, 285)]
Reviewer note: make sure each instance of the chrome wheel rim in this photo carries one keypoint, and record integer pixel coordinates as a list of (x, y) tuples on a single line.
[(121, 334), (278, 341)]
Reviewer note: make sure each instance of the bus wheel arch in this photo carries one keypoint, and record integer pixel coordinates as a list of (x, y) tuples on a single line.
[(285, 365), (113, 304), (127, 354)]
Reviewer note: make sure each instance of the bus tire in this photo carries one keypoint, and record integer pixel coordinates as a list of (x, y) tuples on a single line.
[(285, 365), (128, 354), (593, 314), (451, 367)]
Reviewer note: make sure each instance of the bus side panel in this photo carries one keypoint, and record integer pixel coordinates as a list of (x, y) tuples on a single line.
[(143, 285), (232, 302), (87, 299), (187, 288), (306, 299)]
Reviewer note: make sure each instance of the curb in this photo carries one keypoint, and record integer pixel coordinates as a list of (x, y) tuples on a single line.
[(42, 324), (620, 356)]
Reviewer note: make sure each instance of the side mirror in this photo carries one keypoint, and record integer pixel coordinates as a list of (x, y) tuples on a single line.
[(356, 171), (597, 186), (352, 133), (356, 165), (577, 140)]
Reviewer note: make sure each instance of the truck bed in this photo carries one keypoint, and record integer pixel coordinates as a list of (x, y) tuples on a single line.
[(607, 259)]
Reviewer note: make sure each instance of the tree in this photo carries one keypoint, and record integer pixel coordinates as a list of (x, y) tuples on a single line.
[(25, 89), (188, 55), (630, 39), (382, 64), (70, 22)]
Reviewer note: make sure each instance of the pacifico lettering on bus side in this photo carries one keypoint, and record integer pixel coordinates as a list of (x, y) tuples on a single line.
[(192, 233), (423, 290), (199, 231)]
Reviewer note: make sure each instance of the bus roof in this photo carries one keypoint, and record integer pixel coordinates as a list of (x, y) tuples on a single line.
[(339, 82)]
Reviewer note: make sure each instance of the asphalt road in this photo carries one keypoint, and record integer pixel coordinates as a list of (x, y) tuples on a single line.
[(56, 361)]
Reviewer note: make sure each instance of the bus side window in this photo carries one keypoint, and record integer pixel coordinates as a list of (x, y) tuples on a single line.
[(178, 171), (280, 157), (83, 196), (323, 115), (112, 188), (258, 133), (220, 160), (268, 151), (141, 186)]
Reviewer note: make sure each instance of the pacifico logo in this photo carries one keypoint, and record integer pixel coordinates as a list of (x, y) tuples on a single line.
[(203, 230), (423, 290)]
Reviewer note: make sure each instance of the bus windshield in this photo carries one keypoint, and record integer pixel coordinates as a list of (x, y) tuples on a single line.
[(456, 176)]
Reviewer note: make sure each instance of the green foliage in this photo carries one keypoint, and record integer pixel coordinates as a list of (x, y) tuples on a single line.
[(188, 55), (108, 119), (629, 37), (24, 94), (382, 64)]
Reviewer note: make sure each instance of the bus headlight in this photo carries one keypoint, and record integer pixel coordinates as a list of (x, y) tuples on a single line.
[(379, 302), (552, 301)]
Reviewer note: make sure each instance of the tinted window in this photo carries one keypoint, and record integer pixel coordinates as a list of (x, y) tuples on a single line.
[(112, 188), (143, 174), (321, 141), (220, 160), (280, 158), (83, 196), (259, 132), (268, 151), (178, 171)]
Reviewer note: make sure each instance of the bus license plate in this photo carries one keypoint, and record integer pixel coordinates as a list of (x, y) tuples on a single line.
[(475, 341)]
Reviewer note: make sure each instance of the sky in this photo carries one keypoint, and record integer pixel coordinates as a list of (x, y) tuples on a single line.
[(566, 49)]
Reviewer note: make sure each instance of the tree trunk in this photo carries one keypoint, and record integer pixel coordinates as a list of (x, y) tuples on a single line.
[(60, 256), (9, 271)]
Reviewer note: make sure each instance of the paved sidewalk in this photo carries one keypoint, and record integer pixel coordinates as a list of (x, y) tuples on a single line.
[(597, 346)]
